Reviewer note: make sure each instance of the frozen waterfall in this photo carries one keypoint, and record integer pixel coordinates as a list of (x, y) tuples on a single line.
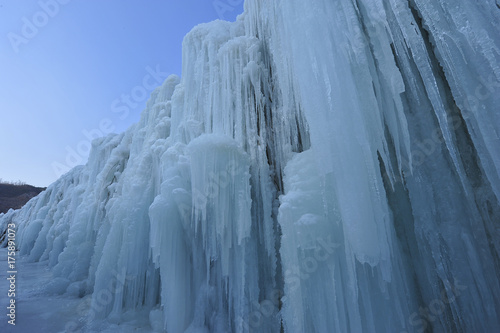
[(321, 166)]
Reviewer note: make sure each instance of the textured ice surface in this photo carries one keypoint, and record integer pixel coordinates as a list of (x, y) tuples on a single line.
[(320, 167)]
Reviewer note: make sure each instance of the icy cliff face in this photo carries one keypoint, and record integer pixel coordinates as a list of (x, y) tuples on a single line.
[(320, 167)]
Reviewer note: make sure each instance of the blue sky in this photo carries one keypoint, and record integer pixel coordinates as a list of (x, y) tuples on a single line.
[(67, 65)]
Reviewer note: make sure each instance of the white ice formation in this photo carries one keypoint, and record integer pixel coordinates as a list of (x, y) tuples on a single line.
[(321, 166)]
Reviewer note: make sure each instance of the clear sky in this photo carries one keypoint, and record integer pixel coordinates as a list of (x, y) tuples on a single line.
[(66, 65)]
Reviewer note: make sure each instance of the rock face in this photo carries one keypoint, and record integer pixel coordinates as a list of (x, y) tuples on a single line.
[(322, 166), (15, 196)]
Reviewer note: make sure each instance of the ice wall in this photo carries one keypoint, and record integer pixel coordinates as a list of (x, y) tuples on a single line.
[(320, 167)]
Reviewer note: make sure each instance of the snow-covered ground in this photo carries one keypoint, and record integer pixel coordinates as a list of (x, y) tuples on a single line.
[(40, 310)]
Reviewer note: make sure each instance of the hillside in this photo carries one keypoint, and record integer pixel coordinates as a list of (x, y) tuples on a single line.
[(15, 196)]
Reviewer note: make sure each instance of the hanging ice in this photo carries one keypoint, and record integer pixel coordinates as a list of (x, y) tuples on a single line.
[(320, 167)]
